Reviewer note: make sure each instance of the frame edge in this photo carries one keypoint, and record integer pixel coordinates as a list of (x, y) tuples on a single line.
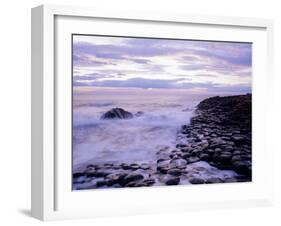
[(37, 39), (41, 157)]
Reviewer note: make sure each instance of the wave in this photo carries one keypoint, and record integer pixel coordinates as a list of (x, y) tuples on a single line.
[(132, 140), (96, 104)]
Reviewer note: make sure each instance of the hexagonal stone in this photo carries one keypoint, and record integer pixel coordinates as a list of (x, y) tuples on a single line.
[(172, 181), (196, 180)]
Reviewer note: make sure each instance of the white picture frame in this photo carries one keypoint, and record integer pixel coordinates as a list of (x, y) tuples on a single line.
[(51, 197)]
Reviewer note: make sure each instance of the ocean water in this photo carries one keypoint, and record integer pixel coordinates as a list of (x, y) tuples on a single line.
[(133, 140)]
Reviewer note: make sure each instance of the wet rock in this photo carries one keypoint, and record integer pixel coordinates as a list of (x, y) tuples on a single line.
[(196, 180), (186, 156), (101, 183), (149, 181), (243, 167), (78, 178), (229, 180), (116, 167), (91, 167), (213, 180), (178, 163), (186, 149), (225, 157), (115, 178), (97, 173), (236, 152), (174, 172), (193, 159), (220, 133), (218, 150), (163, 163), (117, 113), (134, 166), (162, 160), (144, 166), (238, 139), (135, 184), (85, 187), (132, 177), (204, 157), (163, 169), (236, 158), (172, 181), (79, 174), (125, 166)]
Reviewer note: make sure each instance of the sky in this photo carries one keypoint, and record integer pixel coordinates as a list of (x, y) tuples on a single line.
[(202, 66)]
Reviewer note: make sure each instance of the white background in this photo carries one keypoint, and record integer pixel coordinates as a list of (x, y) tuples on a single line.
[(15, 112), (152, 200)]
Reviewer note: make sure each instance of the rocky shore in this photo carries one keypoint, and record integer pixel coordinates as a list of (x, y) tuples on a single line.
[(214, 148), (221, 134)]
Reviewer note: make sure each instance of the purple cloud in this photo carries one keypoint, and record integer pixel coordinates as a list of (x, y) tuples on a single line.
[(86, 61), (206, 58), (160, 83)]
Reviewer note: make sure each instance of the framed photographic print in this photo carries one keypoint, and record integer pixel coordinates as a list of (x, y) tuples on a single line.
[(141, 112)]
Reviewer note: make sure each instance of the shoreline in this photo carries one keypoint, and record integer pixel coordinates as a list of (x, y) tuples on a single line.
[(221, 134), (213, 148)]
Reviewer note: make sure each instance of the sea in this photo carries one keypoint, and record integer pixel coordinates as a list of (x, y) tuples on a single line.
[(160, 114)]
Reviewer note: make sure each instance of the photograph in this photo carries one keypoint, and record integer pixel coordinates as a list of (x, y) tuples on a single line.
[(149, 112)]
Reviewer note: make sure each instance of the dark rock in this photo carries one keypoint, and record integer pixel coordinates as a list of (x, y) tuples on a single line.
[(115, 178), (193, 159), (85, 186), (196, 180), (229, 180), (144, 166), (136, 184), (149, 181), (117, 113), (98, 173), (125, 166), (172, 181), (213, 180), (204, 157), (134, 166), (236, 158), (220, 133), (91, 166), (224, 157), (243, 167), (78, 178), (218, 150), (163, 169), (186, 156), (237, 152), (116, 167), (75, 175), (162, 160), (101, 183), (178, 163), (174, 172), (132, 177)]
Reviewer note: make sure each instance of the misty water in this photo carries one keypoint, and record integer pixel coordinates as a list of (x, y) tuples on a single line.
[(131, 140)]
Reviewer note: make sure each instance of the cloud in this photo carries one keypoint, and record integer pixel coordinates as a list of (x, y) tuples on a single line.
[(134, 82), (97, 76), (86, 61), (118, 52), (143, 62), (228, 55), (160, 83)]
